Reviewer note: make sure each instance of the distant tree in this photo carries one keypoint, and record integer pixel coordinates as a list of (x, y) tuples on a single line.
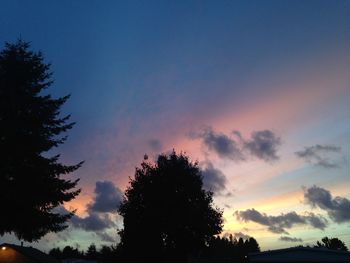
[(30, 126), (332, 243), (108, 254), (56, 253), (252, 245), (167, 213), (223, 249), (91, 252), (70, 252)]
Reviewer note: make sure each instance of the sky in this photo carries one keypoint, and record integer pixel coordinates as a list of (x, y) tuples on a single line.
[(256, 91)]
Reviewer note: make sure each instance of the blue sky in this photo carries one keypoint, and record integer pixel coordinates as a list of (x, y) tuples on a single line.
[(150, 76)]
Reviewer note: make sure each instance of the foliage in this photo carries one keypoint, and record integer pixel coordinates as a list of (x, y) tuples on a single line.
[(106, 254), (30, 124), (230, 249), (66, 252), (91, 252), (167, 213), (332, 243)]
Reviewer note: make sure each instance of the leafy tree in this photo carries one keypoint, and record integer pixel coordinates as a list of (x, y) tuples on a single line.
[(332, 243), (167, 213), (30, 125)]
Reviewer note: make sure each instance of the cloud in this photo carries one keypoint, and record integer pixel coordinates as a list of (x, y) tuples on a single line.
[(319, 155), (338, 208), (107, 198), (290, 239), (279, 224), (156, 145), (316, 221), (106, 237), (93, 222), (213, 179), (263, 145), (222, 145)]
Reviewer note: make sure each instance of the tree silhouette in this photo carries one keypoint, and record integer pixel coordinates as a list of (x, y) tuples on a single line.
[(30, 181), (223, 249), (167, 213), (91, 252), (252, 245), (332, 243)]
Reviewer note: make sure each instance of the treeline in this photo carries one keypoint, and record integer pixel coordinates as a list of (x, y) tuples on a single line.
[(105, 254), (229, 249), (219, 249)]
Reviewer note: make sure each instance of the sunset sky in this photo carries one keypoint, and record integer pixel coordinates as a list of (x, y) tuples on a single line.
[(258, 92)]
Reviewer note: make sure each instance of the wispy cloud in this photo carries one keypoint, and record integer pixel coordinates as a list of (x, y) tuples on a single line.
[(279, 224), (290, 239), (155, 144), (320, 155)]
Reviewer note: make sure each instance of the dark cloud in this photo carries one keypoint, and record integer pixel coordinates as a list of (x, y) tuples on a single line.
[(263, 145), (320, 155), (338, 208), (107, 198), (93, 222), (290, 239), (316, 221), (223, 145), (156, 145), (279, 224), (213, 179)]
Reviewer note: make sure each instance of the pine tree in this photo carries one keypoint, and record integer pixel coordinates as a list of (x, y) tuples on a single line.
[(30, 126)]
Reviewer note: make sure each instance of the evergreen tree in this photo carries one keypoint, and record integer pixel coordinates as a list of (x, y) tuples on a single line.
[(30, 126), (91, 252)]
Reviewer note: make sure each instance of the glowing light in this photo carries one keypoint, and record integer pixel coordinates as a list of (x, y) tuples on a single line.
[(3, 248)]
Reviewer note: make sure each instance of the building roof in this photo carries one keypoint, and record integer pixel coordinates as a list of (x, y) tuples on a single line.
[(32, 253), (300, 254)]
